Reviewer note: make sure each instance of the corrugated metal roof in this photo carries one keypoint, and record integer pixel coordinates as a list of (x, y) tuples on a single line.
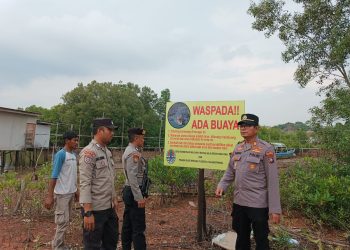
[(17, 111), (43, 123)]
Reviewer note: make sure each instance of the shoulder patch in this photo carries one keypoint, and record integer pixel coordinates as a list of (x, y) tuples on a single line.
[(135, 158), (270, 154), (88, 152), (89, 156), (88, 160)]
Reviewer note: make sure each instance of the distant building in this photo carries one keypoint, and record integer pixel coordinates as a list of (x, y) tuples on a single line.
[(20, 129)]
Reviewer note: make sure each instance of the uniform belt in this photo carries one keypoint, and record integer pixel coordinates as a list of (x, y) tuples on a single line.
[(101, 211)]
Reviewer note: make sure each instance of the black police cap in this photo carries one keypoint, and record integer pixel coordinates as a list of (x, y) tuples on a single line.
[(104, 122), (136, 131), (249, 119)]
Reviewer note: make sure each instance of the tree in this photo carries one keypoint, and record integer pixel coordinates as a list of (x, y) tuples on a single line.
[(162, 101), (290, 127), (148, 98), (317, 37), (334, 108), (126, 104), (331, 123), (46, 115), (295, 139)]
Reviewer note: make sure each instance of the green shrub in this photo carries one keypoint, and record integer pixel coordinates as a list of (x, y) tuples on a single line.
[(119, 181), (34, 192), (9, 180), (169, 179), (335, 140), (320, 190)]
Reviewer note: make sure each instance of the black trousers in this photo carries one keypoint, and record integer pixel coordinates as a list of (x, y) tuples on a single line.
[(105, 235), (246, 218), (134, 223)]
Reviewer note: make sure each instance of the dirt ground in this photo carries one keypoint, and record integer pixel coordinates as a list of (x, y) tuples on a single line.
[(170, 226)]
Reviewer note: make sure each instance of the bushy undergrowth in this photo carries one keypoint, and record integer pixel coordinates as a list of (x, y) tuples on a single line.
[(168, 179), (35, 185), (320, 190)]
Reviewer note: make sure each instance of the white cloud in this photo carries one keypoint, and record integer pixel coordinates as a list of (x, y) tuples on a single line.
[(45, 92), (200, 50), (269, 79)]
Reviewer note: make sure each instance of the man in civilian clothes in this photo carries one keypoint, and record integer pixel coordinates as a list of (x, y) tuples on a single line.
[(63, 187)]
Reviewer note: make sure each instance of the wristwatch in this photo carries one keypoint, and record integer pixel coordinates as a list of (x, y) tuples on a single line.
[(87, 213)]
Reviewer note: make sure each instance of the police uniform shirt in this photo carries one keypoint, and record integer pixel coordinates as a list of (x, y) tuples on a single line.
[(134, 167), (96, 170), (254, 171)]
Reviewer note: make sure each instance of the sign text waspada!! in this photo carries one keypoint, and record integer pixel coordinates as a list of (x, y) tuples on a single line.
[(215, 110)]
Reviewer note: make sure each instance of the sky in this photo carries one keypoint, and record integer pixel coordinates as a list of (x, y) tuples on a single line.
[(199, 49)]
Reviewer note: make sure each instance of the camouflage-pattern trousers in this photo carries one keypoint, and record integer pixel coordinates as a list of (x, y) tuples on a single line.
[(63, 208)]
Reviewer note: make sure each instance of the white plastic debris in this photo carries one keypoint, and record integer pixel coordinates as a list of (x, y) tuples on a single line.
[(293, 241), (218, 238), (192, 204), (226, 240), (290, 241)]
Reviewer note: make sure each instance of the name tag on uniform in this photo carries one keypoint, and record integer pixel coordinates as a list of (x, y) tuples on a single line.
[(100, 158)]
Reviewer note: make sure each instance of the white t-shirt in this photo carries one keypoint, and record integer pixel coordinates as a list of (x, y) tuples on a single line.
[(65, 171)]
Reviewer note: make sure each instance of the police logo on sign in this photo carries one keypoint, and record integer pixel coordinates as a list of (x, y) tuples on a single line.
[(171, 156)]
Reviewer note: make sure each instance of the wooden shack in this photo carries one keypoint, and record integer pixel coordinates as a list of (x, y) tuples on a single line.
[(20, 130)]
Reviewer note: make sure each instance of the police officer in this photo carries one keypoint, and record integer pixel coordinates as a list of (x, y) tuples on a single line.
[(253, 169), (134, 221), (97, 193)]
